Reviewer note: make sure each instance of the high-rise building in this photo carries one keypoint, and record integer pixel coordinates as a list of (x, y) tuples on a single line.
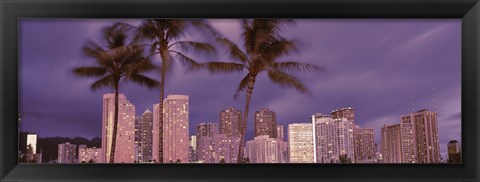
[(300, 140), (398, 143), (175, 125), (66, 153), (218, 149), (282, 144), (207, 130), (137, 141), (364, 145), (454, 152), (230, 122), (347, 112), (157, 139), (192, 149), (264, 149), (345, 139), (265, 123), (32, 141), (280, 132), (426, 135), (146, 136), (125, 140), (325, 139), (89, 155)]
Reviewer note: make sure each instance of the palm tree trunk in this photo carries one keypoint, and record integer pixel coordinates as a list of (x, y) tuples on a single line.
[(160, 109), (251, 82), (115, 123)]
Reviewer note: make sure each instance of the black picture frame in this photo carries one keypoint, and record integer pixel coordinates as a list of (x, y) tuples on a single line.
[(12, 10)]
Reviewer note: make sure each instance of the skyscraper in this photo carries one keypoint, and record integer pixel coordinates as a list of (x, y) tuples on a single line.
[(230, 122), (364, 145), (426, 135), (175, 125), (265, 123), (300, 140), (325, 139), (66, 153), (218, 148), (454, 152), (280, 132), (125, 142), (146, 136), (137, 141), (347, 112), (398, 143), (345, 139), (207, 130), (32, 141), (157, 139), (87, 155), (264, 149), (192, 149)]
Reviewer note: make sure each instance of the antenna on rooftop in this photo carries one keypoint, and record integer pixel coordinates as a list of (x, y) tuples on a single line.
[(413, 102), (434, 103), (33, 124)]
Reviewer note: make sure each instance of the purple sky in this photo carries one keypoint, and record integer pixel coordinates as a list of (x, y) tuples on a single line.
[(371, 65)]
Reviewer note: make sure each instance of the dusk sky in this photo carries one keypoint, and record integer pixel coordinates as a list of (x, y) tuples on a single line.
[(372, 65)]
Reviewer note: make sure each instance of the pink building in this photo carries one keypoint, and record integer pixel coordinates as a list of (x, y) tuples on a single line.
[(125, 144), (264, 149), (364, 145), (175, 126), (398, 144), (218, 148), (426, 135)]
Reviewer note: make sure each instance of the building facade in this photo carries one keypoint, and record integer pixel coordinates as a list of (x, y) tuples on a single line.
[(398, 143), (207, 130), (230, 122), (364, 145), (345, 139), (175, 125), (300, 143), (426, 135), (454, 152), (218, 149), (66, 153), (89, 155), (325, 139), (347, 112), (264, 149), (265, 123), (146, 136), (125, 140)]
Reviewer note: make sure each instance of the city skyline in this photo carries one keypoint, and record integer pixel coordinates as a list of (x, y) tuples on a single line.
[(339, 47)]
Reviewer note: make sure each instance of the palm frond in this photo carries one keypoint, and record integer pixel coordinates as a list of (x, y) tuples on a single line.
[(292, 66), (177, 28), (143, 80), (286, 80), (106, 81), (233, 51), (242, 86), (196, 46), (223, 67), (90, 71), (190, 63), (92, 49), (277, 48)]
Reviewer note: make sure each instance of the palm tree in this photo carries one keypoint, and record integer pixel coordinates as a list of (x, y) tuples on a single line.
[(119, 61), (263, 44), (164, 36)]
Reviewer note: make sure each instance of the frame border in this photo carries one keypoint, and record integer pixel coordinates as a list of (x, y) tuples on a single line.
[(12, 10)]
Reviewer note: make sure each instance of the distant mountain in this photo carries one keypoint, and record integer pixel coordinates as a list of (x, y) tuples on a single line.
[(49, 146)]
